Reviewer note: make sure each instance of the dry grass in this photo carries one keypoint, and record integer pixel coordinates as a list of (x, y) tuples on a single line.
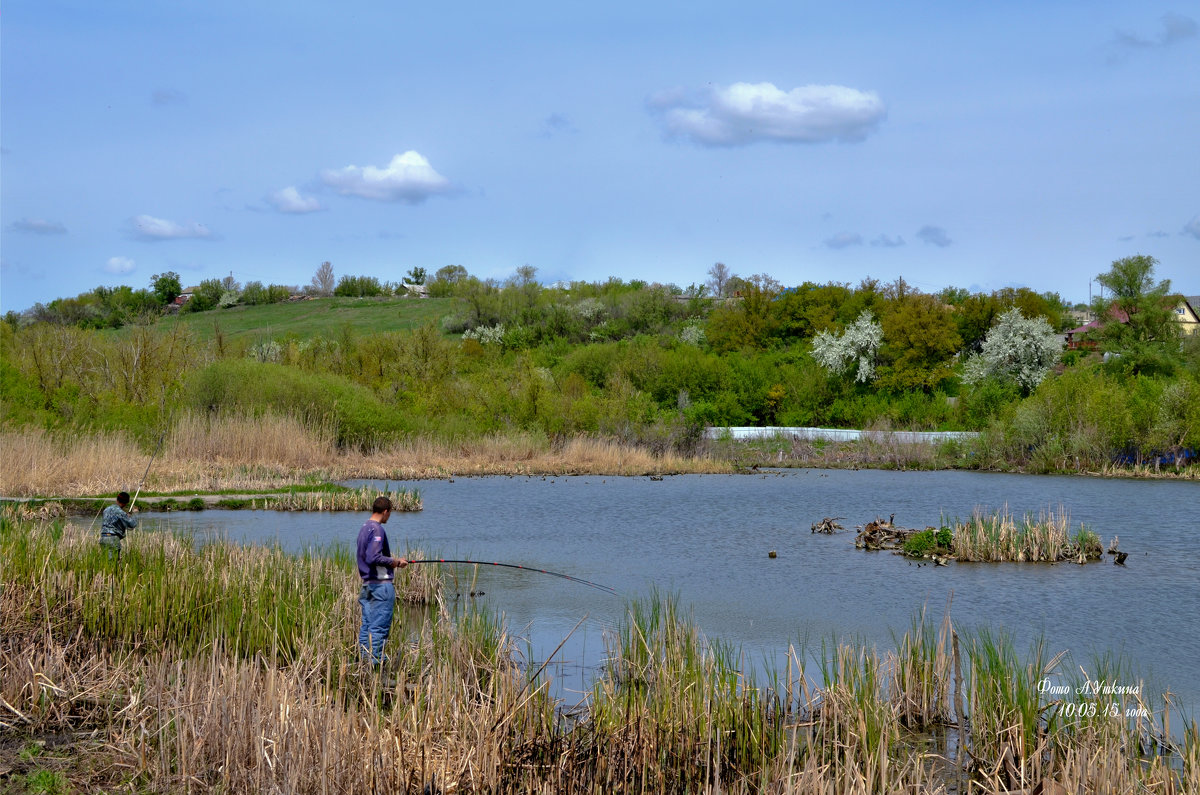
[(210, 454), (670, 713), (1047, 539)]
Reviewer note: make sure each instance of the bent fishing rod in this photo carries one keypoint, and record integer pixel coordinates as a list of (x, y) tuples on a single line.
[(579, 580)]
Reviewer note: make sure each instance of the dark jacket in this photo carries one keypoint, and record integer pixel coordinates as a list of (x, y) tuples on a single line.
[(115, 522), (374, 554)]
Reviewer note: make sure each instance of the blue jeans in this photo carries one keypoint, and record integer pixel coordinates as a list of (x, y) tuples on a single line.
[(378, 600)]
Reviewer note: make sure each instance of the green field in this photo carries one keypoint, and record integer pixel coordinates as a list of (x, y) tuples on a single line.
[(326, 317)]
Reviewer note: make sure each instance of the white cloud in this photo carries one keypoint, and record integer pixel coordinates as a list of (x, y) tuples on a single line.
[(39, 226), (886, 241), (148, 227), (745, 113), (408, 178), (934, 236), (119, 265), (1192, 227), (290, 200), (844, 240)]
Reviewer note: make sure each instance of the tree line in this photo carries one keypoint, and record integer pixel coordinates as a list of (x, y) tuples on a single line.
[(655, 364)]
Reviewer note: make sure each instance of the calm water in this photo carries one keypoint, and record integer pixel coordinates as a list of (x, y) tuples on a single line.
[(706, 538)]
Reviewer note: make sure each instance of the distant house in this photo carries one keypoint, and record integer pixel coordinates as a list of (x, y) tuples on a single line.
[(185, 296), (1186, 313), (1072, 335), (417, 290)]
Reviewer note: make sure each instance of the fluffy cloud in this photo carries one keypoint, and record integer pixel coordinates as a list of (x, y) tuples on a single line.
[(1192, 227), (844, 240), (885, 241), (39, 226), (119, 265), (408, 178), (290, 200), (148, 227), (745, 113), (934, 236)]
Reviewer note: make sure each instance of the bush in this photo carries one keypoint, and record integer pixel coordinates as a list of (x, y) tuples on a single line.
[(928, 542), (358, 287), (260, 388)]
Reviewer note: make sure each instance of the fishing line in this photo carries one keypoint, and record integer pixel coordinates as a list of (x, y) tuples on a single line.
[(147, 472), (579, 580)]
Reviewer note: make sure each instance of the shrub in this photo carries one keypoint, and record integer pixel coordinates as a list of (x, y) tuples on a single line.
[(358, 287), (244, 385)]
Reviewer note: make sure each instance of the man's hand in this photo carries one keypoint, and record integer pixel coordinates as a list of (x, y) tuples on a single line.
[(399, 563)]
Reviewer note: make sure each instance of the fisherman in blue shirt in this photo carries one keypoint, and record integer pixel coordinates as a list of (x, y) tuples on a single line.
[(376, 568), (115, 521)]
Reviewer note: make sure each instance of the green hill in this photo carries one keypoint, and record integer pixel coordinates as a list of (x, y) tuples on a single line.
[(326, 317)]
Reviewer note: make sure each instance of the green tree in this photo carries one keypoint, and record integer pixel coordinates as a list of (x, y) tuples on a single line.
[(166, 286), (1139, 309), (974, 316), (254, 293), (445, 279), (920, 340), (358, 287), (748, 322), (415, 275), (206, 296)]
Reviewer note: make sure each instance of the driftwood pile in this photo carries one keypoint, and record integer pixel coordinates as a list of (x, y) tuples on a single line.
[(881, 534), (829, 525)]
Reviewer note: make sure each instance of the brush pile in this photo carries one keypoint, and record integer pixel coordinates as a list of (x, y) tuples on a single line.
[(829, 525), (881, 534)]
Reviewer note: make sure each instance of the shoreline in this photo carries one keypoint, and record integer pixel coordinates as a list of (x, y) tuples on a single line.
[(40, 464)]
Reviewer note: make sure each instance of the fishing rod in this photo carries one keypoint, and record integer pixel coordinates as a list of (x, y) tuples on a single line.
[(579, 580), (147, 472)]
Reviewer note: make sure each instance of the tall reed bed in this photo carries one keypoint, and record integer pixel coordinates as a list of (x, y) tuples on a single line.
[(359, 499), (233, 669), (1047, 538), (243, 438), (231, 451), (38, 462), (165, 592)]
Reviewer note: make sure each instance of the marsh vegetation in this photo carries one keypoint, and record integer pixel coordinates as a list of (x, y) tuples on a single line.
[(230, 668)]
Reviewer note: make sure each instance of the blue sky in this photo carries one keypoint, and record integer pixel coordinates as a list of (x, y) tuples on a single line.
[(975, 144)]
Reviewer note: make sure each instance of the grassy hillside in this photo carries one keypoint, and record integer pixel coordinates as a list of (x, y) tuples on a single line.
[(326, 317)]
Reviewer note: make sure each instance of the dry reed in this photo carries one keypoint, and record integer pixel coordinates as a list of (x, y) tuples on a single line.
[(261, 694), (1047, 539), (239, 452)]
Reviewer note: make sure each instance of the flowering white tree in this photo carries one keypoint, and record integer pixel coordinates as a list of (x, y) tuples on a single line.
[(860, 343), (1016, 349)]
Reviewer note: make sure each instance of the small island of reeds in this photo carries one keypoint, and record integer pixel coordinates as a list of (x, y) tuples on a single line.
[(230, 668), (989, 538)]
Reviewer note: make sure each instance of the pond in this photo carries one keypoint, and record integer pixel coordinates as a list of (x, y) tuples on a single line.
[(706, 538)]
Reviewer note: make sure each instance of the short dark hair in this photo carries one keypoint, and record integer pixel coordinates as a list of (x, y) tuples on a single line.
[(123, 498), (381, 504)]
